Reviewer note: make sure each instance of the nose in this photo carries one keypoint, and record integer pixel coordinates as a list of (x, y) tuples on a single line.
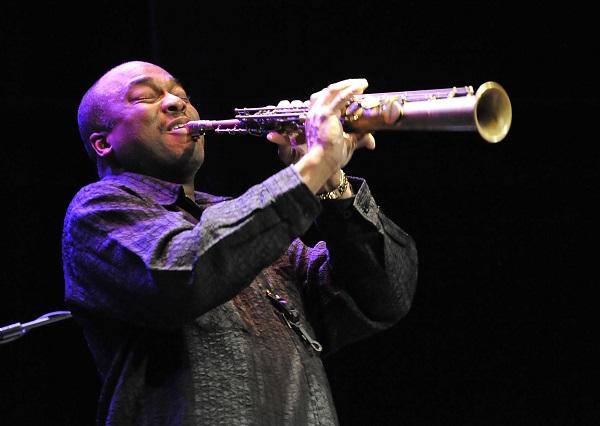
[(172, 103)]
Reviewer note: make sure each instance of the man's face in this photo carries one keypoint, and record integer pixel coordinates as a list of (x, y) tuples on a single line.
[(145, 106)]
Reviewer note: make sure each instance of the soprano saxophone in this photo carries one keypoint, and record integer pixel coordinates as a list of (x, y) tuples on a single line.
[(487, 111)]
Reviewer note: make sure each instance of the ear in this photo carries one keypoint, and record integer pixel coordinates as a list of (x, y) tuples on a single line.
[(100, 144)]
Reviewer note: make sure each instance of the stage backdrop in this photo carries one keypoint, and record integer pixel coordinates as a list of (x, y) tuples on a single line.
[(501, 331)]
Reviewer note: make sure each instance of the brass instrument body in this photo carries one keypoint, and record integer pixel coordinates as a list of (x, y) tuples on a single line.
[(487, 111)]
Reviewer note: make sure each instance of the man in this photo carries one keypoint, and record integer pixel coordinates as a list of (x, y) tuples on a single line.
[(204, 310)]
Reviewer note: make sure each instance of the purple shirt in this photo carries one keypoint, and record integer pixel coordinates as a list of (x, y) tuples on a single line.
[(171, 295)]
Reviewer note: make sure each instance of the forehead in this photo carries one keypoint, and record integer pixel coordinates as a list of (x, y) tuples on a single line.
[(120, 79)]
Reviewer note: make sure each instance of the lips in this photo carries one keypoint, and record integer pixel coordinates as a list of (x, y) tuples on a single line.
[(177, 124)]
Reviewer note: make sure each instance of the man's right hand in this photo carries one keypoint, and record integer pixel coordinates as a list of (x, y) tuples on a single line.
[(325, 148)]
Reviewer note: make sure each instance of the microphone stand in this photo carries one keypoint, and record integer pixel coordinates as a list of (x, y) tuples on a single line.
[(14, 331)]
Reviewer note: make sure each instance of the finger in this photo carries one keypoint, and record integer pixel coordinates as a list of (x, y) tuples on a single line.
[(340, 85), (277, 138), (366, 140), (345, 87), (285, 153), (341, 99), (315, 96), (337, 94), (283, 104), (391, 110), (296, 104)]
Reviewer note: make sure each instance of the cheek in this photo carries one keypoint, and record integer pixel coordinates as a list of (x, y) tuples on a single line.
[(135, 128), (194, 115), (132, 126), (130, 141)]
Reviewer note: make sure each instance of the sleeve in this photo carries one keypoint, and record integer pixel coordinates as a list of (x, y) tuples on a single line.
[(361, 279), (136, 261)]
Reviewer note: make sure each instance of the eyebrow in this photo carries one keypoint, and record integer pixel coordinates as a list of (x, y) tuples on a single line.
[(150, 81)]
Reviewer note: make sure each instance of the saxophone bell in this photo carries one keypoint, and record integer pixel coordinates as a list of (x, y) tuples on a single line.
[(487, 111)]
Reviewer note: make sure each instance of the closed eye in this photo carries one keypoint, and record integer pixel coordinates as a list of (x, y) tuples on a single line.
[(183, 96), (145, 99)]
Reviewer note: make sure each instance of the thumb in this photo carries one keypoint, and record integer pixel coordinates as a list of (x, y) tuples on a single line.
[(277, 138), (366, 140)]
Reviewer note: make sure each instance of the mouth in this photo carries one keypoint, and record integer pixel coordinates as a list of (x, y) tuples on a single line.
[(178, 126)]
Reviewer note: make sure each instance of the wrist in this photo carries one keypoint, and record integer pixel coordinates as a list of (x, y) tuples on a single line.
[(315, 169), (342, 190)]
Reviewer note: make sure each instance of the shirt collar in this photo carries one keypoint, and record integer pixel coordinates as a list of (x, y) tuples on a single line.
[(160, 191)]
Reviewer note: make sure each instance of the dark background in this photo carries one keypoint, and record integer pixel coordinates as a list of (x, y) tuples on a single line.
[(503, 325)]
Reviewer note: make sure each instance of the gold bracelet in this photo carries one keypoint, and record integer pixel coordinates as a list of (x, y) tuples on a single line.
[(337, 192)]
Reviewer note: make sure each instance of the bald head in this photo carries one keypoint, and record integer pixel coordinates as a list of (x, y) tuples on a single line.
[(94, 112), (131, 118)]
